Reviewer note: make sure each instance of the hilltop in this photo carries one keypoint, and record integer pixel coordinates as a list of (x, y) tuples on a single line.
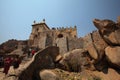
[(61, 55)]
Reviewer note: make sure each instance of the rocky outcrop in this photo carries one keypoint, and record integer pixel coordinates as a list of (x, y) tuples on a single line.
[(11, 45), (8, 46), (17, 52), (95, 45), (109, 30), (42, 60), (105, 26), (48, 75), (84, 75), (113, 55), (76, 60)]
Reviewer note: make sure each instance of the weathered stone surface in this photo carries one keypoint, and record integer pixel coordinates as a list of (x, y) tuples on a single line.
[(62, 44), (109, 30), (92, 51), (95, 45), (113, 38), (110, 75), (10, 45), (41, 60), (99, 44), (117, 36), (48, 75), (88, 44), (76, 60), (87, 40), (105, 26), (42, 36), (40, 41), (113, 55), (75, 43)]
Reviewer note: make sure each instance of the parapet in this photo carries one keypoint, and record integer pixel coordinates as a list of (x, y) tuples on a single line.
[(38, 23), (65, 28)]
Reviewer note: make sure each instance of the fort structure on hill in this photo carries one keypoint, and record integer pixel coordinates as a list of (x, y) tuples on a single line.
[(98, 51), (65, 38)]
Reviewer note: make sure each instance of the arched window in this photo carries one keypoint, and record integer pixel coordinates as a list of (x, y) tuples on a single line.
[(60, 35)]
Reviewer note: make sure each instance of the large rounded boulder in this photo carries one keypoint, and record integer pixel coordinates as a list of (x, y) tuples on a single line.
[(48, 75), (113, 55), (76, 60)]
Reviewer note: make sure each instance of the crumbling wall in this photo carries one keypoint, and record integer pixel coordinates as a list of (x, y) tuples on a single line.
[(75, 43), (62, 44)]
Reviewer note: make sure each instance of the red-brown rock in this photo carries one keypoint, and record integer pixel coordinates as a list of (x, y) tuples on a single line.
[(109, 31), (113, 55), (95, 45)]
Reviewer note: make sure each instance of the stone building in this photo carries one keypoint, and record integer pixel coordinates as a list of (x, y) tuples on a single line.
[(65, 38)]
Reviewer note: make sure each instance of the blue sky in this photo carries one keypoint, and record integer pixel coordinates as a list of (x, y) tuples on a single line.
[(16, 16)]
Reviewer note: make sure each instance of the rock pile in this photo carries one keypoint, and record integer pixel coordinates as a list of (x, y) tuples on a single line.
[(110, 32), (101, 49)]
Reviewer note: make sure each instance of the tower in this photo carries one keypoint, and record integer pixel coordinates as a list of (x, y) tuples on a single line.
[(37, 35)]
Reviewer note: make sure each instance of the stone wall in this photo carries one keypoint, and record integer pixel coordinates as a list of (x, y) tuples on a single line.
[(87, 40), (75, 43), (62, 44)]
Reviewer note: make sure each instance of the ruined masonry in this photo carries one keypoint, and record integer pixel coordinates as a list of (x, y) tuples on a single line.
[(65, 38)]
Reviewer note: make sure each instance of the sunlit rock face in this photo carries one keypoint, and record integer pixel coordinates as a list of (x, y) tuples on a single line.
[(48, 75), (76, 60), (41, 60), (113, 55), (109, 30), (95, 45)]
